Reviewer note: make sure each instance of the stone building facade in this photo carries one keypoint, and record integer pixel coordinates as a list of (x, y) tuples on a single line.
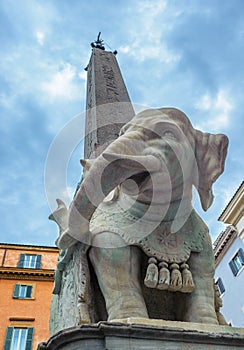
[(229, 257)]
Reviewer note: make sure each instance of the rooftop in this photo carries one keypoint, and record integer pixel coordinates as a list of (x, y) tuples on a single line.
[(235, 208), (223, 242), (27, 246)]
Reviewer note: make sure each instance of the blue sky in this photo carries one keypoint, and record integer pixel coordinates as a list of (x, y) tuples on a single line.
[(182, 53)]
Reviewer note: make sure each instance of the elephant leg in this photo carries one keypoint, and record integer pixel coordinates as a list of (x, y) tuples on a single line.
[(117, 271), (200, 306)]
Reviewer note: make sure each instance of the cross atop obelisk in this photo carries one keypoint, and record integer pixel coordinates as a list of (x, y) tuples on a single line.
[(108, 105)]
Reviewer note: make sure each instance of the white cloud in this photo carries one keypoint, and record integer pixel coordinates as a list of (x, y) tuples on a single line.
[(124, 49), (6, 101), (40, 37), (218, 108), (83, 75), (205, 102), (225, 192), (62, 84), (67, 194), (159, 52), (146, 32), (152, 8), (150, 50)]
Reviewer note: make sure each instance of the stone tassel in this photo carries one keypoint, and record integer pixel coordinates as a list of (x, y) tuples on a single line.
[(164, 276), (187, 280), (83, 313), (151, 279), (175, 278)]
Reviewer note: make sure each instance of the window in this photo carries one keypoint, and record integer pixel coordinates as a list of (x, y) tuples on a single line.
[(30, 261), (220, 286), (18, 338), (237, 262), (22, 291)]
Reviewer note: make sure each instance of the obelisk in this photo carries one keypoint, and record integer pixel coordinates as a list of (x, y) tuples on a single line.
[(108, 105)]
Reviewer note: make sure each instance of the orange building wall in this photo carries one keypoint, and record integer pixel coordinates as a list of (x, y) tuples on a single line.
[(49, 258), (37, 308), (1, 256)]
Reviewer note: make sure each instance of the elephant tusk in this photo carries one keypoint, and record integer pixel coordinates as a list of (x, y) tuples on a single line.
[(60, 211), (86, 163), (60, 216)]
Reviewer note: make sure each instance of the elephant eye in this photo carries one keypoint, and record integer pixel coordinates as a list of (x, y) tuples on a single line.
[(169, 134)]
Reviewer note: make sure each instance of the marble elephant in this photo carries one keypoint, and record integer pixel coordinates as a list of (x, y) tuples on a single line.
[(134, 208)]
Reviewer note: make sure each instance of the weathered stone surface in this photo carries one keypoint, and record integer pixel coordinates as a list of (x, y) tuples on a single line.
[(108, 105), (153, 165), (156, 334)]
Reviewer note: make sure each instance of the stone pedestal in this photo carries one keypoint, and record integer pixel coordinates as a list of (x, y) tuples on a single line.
[(134, 334)]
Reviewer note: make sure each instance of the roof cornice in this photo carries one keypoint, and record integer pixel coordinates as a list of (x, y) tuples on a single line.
[(28, 247), (235, 208), (15, 273), (223, 242)]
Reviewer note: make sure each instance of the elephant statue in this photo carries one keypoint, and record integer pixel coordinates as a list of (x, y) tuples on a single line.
[(133, 212)]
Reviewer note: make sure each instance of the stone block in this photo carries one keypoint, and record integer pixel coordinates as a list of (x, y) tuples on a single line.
[(134, 334)]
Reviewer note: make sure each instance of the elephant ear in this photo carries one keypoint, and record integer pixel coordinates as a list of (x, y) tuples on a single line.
[(210, 152)]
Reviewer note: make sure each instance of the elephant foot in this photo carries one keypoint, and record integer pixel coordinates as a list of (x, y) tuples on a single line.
[(125, 308), (201, 314), (118, 275), (205, 320)]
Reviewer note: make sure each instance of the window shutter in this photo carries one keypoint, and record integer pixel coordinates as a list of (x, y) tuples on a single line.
[(16, 291), (29, 292), (221, 285), (241, 255), (29, 338), (8, 338), (39, 261), (21, 260), (233, 268)]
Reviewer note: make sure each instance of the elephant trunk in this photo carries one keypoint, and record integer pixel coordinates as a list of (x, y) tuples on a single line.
[(119, 162)]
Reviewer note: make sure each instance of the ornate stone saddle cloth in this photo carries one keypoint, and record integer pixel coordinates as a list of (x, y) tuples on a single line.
[(168, 235)]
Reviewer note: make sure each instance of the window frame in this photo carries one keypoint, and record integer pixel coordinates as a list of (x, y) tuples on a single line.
[(19, 288), (10, 332), (220, 285), (30, 261), (234, 266)]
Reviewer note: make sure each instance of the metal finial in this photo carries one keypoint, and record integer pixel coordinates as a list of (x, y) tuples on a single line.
[(98, 43)]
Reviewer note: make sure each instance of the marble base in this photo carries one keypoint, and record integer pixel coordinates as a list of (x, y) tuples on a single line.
[(145, 334)]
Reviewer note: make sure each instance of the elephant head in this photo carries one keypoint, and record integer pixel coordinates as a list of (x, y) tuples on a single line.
[(156, 159)]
